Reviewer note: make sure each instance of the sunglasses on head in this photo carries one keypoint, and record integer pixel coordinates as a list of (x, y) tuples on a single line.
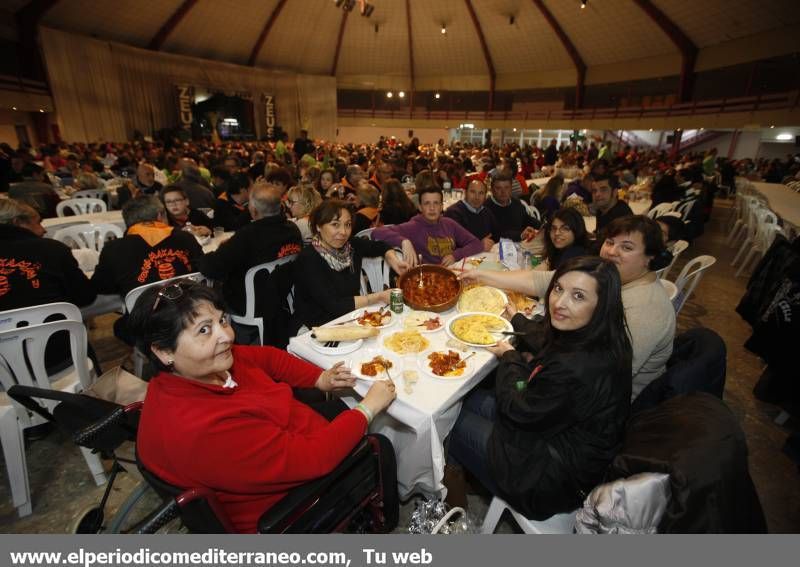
[(171, 292)]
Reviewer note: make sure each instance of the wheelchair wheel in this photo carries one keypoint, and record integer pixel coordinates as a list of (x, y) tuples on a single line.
[(89, 522)]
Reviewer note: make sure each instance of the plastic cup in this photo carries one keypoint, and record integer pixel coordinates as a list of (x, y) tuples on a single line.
[(218, 231)]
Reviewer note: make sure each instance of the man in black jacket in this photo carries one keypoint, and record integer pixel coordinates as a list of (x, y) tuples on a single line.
[(269, 237), (605, 203), (36, 270), (230, 209), (511, 215), (472, 214)]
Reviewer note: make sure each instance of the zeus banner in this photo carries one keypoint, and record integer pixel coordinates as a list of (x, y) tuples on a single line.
[(270, 116), (185, 100)]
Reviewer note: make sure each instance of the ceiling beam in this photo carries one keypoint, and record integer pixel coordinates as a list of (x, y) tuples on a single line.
[(685, 45), (410, 54), (170, 25), (265, 32), (486, 54), (339, 40), (577, 60)]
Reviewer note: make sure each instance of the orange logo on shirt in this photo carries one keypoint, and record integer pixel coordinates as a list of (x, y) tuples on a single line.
[(288, 250), (164, 261), (8, 266)]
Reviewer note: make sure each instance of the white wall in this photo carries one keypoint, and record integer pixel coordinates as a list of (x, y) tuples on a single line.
[(771, 150), (746, 146)]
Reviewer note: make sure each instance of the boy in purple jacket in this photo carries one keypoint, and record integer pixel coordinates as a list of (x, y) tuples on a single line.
[(439, 240)]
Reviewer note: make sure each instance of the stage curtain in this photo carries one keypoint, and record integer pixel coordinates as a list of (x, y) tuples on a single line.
[(143, 97)]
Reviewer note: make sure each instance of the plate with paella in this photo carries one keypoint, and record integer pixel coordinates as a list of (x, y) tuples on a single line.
[(478, 329), (375, 318)]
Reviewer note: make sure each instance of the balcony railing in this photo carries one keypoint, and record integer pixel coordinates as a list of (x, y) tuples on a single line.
[(781, 101)]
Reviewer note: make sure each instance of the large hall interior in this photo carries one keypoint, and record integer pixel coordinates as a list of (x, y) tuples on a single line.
[(509, 256)]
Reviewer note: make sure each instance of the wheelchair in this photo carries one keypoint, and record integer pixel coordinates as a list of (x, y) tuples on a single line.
[(83, 418)]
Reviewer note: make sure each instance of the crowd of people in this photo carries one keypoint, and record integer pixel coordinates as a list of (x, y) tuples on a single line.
[(561, 396)]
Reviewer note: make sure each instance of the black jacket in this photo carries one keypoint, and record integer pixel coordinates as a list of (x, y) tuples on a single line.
[(129, 262), (619, 210), (256, 243), (481, 224), (35, 271), (229, 215), (512, 218), (320, 294), (197, 218), (560, 421)]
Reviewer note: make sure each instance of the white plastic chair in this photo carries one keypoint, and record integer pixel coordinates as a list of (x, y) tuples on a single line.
[(765, 235), (376, 273), (669, 287), (556, 524), (532, 211), (83, 206), (139, 358), (677, 248), (758, 218), (661, 209), (90, 235), (689, 278), (22, 362), (366, 233), (101, 194), (249, 318)]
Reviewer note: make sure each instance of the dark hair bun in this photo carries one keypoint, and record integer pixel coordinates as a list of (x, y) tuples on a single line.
[(660, 261)]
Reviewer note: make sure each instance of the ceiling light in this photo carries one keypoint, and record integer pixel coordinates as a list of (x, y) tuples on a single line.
[(772, 125), (401, 94), (651, 129), (13, 108), (366, 9), (389, 94), (437, 96), (444, 29), (41, 110), (784, 136), (514, 128), (583, 3)]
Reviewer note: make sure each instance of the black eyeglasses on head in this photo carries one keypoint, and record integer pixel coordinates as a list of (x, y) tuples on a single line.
[(171, 292)]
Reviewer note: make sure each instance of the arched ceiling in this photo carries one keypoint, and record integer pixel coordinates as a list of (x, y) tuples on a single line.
[(302, 35)]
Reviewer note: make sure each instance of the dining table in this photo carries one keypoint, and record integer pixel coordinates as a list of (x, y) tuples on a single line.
[(51, 225), (782, 201), (420, 419)]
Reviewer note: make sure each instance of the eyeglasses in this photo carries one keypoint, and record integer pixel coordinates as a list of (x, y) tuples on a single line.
[(174, 201), (291, 202), (560, 229), (171, 292)]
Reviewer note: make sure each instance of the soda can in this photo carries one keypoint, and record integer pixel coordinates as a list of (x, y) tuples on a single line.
[(396, 300)]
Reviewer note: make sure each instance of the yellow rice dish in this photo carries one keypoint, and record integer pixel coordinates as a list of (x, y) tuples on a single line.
[(477, 329)]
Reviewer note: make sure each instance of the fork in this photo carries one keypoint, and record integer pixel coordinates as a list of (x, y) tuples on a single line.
[(331, 344)]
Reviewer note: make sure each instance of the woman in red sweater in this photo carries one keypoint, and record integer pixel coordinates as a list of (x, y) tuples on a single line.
[(224, 416)]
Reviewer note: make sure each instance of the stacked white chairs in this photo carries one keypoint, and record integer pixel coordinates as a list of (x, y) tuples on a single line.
[(82, 206), (677, 249), (22, 361), (689, 278), (758, 217), (765, 235), (139, 358), (92, 236), (556, 524), (250, 318)]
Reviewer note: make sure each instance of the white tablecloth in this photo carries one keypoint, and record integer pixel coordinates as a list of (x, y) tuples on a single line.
[(782, 201), (113, 217), (416, 423)]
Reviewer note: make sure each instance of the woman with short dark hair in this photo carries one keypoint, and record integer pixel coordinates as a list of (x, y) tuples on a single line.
[(327, 274), (553, 424), (223, 416)]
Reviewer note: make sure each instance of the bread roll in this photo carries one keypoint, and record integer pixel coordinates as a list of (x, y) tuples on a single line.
[(343, 333)]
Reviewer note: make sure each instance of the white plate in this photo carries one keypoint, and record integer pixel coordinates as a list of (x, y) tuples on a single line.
[(497, 334), (424, 365), (345, 347), (203, 240), (366, 355), (391, 321), (419, 317), (500, 292)]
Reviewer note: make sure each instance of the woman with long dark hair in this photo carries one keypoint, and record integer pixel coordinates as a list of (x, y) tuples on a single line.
[(565, 237), (396, 206), (546, 434)]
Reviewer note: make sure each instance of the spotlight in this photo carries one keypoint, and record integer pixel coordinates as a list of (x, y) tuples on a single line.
[(651, 129), (13, 108), (771, 125), (41, 110), (389, 94), (349, 5), (444, 29), (401, 94), (583, 4), (366, 8), (514, 128), (437, 96)]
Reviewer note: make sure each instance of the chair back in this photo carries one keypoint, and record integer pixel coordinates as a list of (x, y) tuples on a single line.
[(249, 282), (661, 208), (22, 358), (533, 211), (101, 194), (38, 314), (90, 235), (677, 248), (689, 278), (375, 274), (366, 233), (83, 206), (133, 295)]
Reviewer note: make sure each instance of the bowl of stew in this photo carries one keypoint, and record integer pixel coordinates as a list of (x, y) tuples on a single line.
[(439, 291)]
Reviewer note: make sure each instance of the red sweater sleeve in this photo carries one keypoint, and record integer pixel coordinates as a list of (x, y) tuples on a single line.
[(280, 365)]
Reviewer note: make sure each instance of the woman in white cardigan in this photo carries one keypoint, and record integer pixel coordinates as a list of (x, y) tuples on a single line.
[(635, 245)]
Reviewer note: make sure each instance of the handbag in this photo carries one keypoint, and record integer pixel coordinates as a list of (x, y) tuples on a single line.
[(118, 386)]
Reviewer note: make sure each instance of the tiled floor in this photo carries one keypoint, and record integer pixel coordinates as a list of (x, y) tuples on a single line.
[(62, 488)]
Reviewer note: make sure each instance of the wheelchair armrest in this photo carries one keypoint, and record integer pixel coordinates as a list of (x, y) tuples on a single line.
[(84, 437), (298, 499)]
